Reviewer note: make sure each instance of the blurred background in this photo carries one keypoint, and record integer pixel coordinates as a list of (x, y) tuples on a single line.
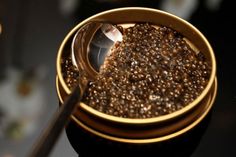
[(31, 33)]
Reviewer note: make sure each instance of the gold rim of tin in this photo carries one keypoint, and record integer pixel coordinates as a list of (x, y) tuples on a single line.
[(147, 120), (158, 139)]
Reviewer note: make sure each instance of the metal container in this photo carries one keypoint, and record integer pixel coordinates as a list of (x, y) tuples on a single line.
[(150, 130)]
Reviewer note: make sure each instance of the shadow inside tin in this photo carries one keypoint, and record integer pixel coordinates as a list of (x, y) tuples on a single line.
[(87, 145)]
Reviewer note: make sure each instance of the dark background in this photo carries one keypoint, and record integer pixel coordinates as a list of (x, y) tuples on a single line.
[(33, 31)]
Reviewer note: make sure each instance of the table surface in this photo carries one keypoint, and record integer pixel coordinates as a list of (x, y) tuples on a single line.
[(33, 30)]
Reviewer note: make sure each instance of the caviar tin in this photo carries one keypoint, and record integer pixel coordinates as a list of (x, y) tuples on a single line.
[(149, 130)]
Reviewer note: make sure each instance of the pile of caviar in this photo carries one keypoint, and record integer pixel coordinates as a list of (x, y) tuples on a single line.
[(152, 72)]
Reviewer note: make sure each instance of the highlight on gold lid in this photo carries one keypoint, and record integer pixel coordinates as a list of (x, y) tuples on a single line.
[(0, 28)]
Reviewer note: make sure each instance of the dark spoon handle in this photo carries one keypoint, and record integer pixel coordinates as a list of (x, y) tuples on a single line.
[(50, 135)]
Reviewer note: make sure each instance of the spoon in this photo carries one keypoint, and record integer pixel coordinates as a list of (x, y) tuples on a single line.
[(89, 48), (90, 45)]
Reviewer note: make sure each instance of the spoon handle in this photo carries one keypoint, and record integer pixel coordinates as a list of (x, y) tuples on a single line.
[(50, 135)]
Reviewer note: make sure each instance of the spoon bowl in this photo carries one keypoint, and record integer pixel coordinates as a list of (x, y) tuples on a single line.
[(90, 46)]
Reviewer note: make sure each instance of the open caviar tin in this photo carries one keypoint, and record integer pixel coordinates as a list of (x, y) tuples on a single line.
[(149, 130)]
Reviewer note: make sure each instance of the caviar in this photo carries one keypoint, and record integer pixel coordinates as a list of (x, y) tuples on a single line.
[(152, 72), (70, 72)]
